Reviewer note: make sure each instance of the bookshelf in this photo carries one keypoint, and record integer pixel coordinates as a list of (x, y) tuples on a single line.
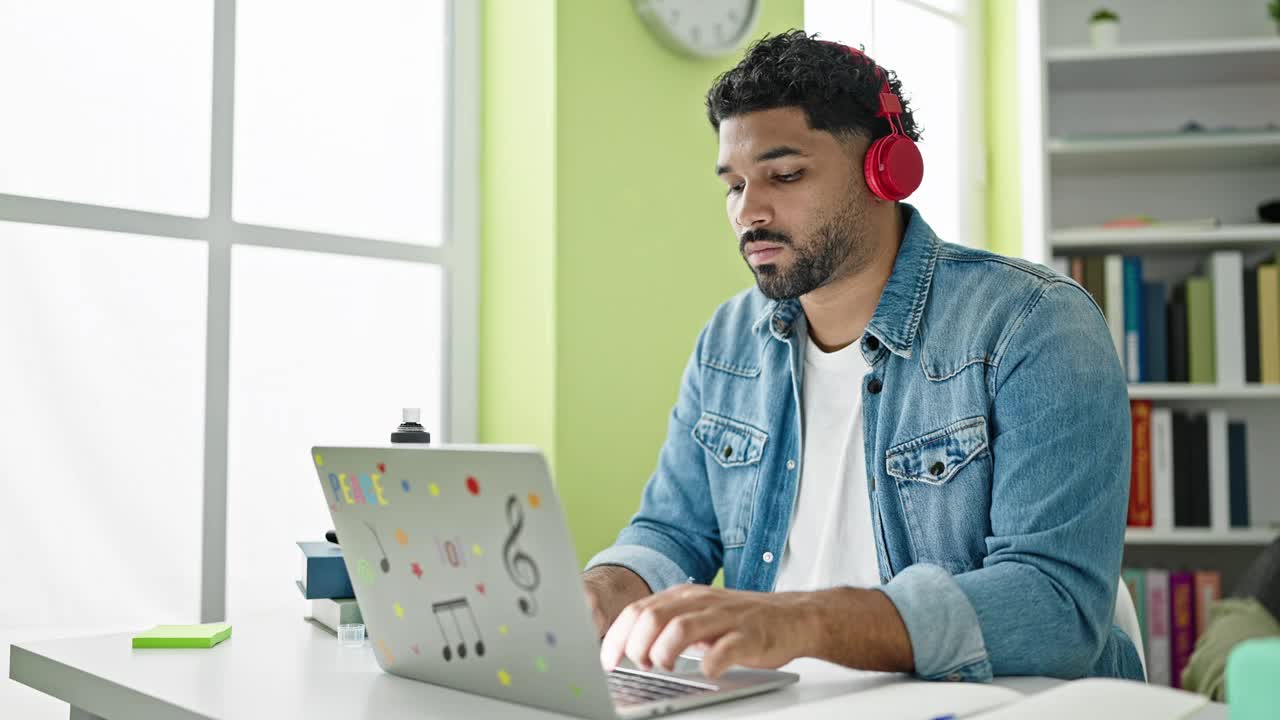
[(1103, 137)]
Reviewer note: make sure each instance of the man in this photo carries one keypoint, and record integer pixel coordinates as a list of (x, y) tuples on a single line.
[(922, 449)]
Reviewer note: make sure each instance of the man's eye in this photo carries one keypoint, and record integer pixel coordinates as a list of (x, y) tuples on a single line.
[(734, 189), (789, 177)]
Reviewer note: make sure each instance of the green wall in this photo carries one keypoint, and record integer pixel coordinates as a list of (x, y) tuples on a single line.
[(1004, 188), (604, 241)]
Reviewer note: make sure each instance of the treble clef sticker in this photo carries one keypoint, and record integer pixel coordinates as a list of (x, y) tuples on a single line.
[(522, 569)]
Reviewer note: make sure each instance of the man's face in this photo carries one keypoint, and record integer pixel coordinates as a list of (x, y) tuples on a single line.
[(796, 199)]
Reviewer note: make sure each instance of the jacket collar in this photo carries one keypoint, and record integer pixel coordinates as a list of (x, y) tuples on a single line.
[(897, 316)]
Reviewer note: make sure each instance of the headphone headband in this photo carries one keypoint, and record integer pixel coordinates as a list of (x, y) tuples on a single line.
[(890, 103)]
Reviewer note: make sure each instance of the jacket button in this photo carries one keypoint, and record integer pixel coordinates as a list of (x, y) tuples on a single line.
[(875, 386), (872, 343), (791, 464), (728, 451), (767, 557), (954, 677), (937, 468)]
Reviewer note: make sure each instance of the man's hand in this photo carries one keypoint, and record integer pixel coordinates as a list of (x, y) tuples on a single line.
[(854, 627), (610, 588), (762, 630)]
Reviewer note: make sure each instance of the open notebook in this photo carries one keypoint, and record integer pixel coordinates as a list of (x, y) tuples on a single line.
[(1096, 699)]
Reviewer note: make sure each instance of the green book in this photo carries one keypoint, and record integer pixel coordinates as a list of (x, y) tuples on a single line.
[(1136, 579), (183, 636), (1200, 340)]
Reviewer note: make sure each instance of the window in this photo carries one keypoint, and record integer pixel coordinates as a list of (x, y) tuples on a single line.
[(227, 232), (941, 86)]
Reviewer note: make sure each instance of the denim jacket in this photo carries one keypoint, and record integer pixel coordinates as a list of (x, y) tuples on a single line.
[(996, 431)]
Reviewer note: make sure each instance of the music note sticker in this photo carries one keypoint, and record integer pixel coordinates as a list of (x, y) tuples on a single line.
[(401, 536), (577, 691), (520, 566), (415, 649), (551, 639), (535, 502), (435, 490), (540, 663), (416, 569), (386, 651), (452, 607), (319, 460), (504, 677), (477, 551), (363, 572), (382, 467), (473, 485), (404, 484), (449, 552), (385, 564), (502, 630), (399, 611)]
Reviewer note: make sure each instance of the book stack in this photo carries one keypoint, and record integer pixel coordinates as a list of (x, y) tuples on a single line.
[(1173, 611), (325, 584), (1188, 469), (1220, 325)]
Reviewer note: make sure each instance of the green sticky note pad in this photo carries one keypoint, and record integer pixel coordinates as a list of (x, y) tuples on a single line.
[(183, 636)]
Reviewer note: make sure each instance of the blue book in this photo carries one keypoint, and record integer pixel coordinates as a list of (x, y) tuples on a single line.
[(1156, 368), (324, 573), (1238, 474), (1134, 320)]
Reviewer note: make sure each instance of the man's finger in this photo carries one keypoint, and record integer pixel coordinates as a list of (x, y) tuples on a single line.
[(616, 638), (686, 629), (726, 651)]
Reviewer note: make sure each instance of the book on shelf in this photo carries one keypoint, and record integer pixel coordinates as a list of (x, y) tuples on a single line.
[(1113, 277), (1219, 467), (1269, 321), (1200, 335), (1226, 275), (1140, 464), (1135, 357), (1208, 584), (1159, 651), (1155, 333), (1182, 622), (1178, 335), (1136, 580), (1237, 439), (1162, 468), (1252, 363)]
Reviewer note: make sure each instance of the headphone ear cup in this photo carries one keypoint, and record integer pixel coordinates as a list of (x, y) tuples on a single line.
[(899, 167), (871, 168)]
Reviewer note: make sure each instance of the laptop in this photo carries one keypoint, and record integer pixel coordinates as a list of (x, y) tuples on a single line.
[(466, 577)]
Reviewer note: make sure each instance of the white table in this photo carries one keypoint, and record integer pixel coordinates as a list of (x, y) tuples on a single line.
[(278, 665)]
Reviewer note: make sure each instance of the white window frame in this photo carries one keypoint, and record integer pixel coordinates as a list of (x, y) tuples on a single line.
[(972, 209), (457, 255)]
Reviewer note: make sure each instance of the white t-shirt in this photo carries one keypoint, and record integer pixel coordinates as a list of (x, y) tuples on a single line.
[(832, 541)]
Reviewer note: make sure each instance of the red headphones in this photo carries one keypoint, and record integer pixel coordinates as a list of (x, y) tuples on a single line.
[(893, 166)]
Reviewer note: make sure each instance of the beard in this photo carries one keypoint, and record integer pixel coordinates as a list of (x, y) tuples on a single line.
[(841, 244)]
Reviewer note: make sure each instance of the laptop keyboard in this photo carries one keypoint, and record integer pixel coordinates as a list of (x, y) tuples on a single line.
[(632, 688)]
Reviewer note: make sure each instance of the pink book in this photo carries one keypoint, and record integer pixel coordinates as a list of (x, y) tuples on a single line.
[(1182, 621), (1158, 650)]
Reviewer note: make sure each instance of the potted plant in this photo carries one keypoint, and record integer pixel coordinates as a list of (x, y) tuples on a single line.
[(1274, 8), (1104, 27)]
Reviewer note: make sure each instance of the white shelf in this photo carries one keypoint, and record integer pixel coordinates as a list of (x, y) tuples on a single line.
[(1200, 536), (1155, 239), (1188, 64), (1203, 391), (1161, 152)]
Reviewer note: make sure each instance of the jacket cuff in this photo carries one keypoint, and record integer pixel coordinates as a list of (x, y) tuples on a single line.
[(657, 570), (946, 639)]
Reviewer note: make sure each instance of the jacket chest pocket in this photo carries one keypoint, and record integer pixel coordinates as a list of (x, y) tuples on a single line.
[(734, 450), (944, 482)]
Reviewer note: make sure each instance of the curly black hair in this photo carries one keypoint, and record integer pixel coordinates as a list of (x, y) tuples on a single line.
[(838, 91)]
